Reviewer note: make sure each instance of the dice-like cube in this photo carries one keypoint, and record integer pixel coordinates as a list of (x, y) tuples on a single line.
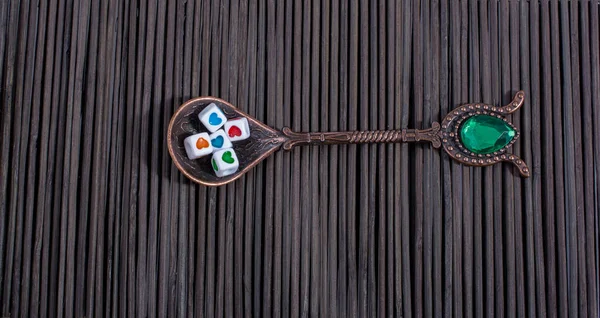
[(225, 162), (237, 129), (212, 117), (219, 140), (198, 145)]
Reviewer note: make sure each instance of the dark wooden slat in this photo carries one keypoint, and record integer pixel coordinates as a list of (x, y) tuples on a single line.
[(397, 246), (268, 211), (220, 257), (417, 205), (238, 244), (154, 99), (528, 272), (387, 119), (222, 304), (59, 220), (4, 18), (517, 80), (379, 259), (210, 253), (473, 209), (286, 101), (483, 220), (280, 173), (369, 114), (580, 183), (137, 302), (494, 282), (88, 222), (436, 95), (172, 252), (333, 208), (31, 267), (29, 126), (143, 162), (74, 288), (178, 235), (127, 276), (313, 162), (88, 113), (344, 88), (186, 232), (445, 91), (8, 15), (365, 194), (404, 197), (296, 99), (259, 110), (305, 174), (535, 222), (354, 305), (249, 204), (457, 175), (463, 252), (116, 163), (15, 84), (548, 168), (213, 88), (585, 237), (505, 279), (95, 302), (560, 201), (322, 118), (592, 220), (201, 211), (569, 158), (430, 169), (39, 297)]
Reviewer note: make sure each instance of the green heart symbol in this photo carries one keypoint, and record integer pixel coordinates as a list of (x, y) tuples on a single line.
[(214, 163), (227, 157)]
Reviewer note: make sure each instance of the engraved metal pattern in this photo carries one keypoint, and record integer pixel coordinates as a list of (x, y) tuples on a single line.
[(360, 137)]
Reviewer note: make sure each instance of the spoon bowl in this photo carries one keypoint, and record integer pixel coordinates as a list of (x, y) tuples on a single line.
[(263, 141)]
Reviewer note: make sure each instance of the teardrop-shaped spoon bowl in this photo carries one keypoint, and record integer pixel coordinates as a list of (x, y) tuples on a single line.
[(263, 141)]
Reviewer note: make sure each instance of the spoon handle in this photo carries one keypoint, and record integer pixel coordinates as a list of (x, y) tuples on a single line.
[(360, 137)]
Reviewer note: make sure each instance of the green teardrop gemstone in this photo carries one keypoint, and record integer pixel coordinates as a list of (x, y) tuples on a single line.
[(484, 134)]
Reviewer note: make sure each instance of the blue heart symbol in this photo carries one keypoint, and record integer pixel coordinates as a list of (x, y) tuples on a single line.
[(218, 142), (214, 119)]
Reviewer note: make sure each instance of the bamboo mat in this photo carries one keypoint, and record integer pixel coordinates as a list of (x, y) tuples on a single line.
[(95, 220)]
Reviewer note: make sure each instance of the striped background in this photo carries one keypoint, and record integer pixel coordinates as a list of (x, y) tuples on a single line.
[(95, 220)]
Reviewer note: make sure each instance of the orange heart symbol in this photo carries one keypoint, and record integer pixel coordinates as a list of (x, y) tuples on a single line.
[(201, 143)]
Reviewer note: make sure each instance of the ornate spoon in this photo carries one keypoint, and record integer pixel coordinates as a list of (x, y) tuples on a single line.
[(473, 134)]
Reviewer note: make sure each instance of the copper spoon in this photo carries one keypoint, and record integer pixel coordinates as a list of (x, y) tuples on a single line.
[(265, 140)]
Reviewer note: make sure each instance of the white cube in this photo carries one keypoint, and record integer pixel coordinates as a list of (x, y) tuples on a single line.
[(198, 145), (219, 140), (225, 162), (237, 129), (212, 117)]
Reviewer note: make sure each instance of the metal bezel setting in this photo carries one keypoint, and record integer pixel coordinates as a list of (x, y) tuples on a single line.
[(454, 147)]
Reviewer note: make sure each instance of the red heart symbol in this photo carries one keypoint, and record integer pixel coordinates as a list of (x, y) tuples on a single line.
[(234, 131)]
